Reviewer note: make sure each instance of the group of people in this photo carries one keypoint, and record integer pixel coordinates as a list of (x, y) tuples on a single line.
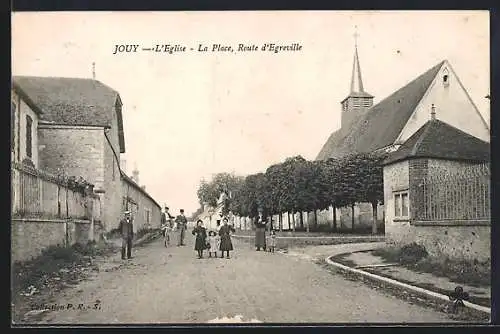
[(215, 240), (168, 226), (171, 224)]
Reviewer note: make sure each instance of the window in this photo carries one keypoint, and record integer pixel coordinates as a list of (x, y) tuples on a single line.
[(12, 125), (401, 205), (29, 139), (146, 216), (446, 78)]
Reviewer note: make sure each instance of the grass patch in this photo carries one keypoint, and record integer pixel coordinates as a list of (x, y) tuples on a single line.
[(52, 260), (415, 257)]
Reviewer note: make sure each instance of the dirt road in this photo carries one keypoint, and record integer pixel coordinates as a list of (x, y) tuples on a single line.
[(170, 285)]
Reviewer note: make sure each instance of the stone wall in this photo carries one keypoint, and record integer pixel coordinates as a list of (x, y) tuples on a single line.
[(30, 237), (459, 242), (76, 150), (112, 205), (451, 239)]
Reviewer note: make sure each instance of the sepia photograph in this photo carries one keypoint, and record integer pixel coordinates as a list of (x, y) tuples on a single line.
[(250, 167)]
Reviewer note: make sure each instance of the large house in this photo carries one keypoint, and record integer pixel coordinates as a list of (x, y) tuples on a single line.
[(80, 133), (387, 125)]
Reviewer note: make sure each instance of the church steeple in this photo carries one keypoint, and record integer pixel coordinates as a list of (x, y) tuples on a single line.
[(358, 100), (356, 79)]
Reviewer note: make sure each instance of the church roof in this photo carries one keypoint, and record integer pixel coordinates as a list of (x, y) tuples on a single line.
[(72, 101), (380, 125), (437, 139)]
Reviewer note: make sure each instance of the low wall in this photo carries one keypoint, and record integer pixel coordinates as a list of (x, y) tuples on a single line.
[(444, 240), (297, 241), (30, 236)]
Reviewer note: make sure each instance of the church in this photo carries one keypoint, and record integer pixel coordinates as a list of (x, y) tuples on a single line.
[(385, 126)]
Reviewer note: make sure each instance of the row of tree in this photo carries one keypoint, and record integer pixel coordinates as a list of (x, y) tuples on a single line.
[(298, 185)]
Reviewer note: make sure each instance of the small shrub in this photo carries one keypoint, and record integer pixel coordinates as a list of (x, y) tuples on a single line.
[(113, 233), (412, 253), (59, 253)]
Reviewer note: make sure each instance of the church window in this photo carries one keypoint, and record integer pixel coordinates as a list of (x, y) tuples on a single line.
[(401, 205), (446, 78)]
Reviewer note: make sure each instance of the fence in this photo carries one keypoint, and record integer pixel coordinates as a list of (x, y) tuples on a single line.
[(463, 195), (38, 194)]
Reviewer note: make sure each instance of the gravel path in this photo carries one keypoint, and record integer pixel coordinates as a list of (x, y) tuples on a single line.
[(170, 285)]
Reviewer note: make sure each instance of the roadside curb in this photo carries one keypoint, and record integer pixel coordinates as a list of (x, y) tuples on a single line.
[(405, 286), (374, 239)]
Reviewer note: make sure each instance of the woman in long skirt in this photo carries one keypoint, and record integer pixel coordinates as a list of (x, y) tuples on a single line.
[(260, 232), (201, 238), (225, 238)]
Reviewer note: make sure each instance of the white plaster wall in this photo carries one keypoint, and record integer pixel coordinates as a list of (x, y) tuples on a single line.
[(452, 106)]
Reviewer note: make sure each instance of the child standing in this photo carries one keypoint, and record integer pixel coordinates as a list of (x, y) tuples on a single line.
[(225, 238), (213, 240), (272, 244)]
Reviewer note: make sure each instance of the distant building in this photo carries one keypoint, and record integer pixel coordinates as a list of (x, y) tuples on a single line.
[(144, 208)]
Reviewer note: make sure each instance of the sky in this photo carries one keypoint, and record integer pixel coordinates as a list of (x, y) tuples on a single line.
[(190, 114)]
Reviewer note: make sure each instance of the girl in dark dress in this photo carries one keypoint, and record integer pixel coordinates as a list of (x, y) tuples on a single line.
[(225, 238), (201, 238)]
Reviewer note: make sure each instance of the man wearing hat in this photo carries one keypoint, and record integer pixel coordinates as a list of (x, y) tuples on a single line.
[(181, 221), (127, 230)]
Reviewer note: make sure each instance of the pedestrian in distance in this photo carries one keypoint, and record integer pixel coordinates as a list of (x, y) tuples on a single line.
[(225, 238), (214, 243), (272, 241), (126, 228), (260, 231), (201, 238), (181, 221)]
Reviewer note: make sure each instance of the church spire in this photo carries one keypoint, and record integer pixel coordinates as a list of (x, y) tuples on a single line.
[(356, 80), (358, 101)]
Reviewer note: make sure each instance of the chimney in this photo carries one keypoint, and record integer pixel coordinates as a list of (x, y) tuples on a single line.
[(433, 112), (93, 70)]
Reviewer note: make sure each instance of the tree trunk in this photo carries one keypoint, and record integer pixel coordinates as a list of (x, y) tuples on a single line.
[(293, 216), (307, 222), (289, 223), (281, 221), (352, 216), (301, 219), (315, 218), (334, 217), (374, 224)]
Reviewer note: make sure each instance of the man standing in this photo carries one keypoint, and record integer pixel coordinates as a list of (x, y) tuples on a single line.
[(127, 230), (181, 221)]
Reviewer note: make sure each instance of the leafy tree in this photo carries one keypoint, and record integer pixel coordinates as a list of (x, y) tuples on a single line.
[(371, 172), (207, 193)]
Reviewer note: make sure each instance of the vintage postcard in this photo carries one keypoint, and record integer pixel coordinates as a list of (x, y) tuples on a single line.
[(250, 167)]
